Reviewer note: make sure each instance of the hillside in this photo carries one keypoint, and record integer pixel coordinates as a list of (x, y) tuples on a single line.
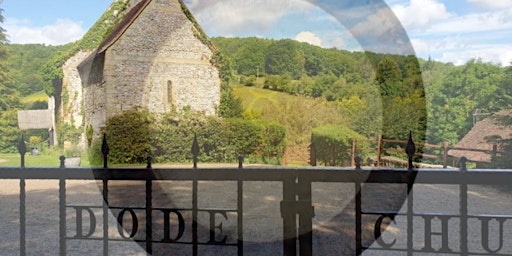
[(404, 92), (297, 114), (353, 82)]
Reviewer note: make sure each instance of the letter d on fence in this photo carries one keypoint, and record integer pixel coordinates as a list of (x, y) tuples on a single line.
[(79, 224)]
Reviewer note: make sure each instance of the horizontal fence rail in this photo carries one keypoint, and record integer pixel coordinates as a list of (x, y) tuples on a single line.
[(296, 182), (297, 209)]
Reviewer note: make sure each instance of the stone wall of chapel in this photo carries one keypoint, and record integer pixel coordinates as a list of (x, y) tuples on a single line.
[(159, 63), (71, 111)]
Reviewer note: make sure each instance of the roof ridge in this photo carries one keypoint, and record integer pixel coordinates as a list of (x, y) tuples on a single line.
[(125, 23)]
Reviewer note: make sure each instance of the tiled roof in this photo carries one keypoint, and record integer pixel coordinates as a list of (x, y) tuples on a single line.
[(477, 137)]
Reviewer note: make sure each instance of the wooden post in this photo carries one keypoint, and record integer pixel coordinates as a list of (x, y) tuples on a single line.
[(493, 156), (353, 160), (445, 155), (285, 160), (312, 155), (379, 150)]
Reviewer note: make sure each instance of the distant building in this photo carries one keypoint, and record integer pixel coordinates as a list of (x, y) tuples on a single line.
[(478, 138), (155, 59)]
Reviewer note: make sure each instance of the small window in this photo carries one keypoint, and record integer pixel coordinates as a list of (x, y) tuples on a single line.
[(169, 93)]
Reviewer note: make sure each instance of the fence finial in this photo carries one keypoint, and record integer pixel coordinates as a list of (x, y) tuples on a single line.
[(62, 160), (463, 161), (240, 161), (358, 160), (149, 162), (195, 150), (410, 149), (105, 150), (22, 149)]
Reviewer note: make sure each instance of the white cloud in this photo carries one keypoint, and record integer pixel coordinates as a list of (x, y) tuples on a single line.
[(228, 17), (491, 4), (381, 32), (477, 33), (308, 37), (458, 50), (474, 22), (420, 13), (498, 54), (61, 32)]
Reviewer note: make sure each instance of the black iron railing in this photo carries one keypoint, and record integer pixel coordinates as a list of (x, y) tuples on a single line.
[(296, 207)]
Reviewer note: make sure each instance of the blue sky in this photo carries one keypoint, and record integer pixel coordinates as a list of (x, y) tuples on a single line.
[(446, 30)]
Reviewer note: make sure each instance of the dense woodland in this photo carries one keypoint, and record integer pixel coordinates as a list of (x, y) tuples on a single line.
[(412, 92), (369, 93)]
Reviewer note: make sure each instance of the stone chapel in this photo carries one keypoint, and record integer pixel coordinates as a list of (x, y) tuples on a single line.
[(155, 58)]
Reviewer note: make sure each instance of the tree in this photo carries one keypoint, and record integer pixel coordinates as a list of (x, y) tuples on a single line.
[(284, 56), (389, 78), (9, 101), (458, 93), (230, 105)]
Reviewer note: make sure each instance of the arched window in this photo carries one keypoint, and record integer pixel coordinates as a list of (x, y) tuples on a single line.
[(169, 94)]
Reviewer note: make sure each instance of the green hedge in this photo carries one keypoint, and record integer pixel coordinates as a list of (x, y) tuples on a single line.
[(134, 135), (332, 145)]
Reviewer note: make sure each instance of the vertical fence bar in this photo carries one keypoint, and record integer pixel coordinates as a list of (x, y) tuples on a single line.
[(149, 216), (410, 213), (62, 216), (194, 217), (195, 153), (289, 215), (359, 245), (463, 211), (22, 218), (240, 206), (105, 214), (410, 149), (105, 151), (306, 214), (240, 218)]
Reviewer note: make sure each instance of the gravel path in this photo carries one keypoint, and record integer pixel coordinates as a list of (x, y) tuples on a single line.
[(333, 223)]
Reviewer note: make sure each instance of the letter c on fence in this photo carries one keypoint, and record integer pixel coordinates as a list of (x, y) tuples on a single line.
[(378, 233)]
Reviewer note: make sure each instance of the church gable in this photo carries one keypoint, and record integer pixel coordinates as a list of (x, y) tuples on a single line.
[(154, 60)]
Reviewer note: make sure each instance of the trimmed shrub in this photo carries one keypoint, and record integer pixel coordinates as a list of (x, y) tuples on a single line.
[(135, 134), (333, 144), (129, 137)]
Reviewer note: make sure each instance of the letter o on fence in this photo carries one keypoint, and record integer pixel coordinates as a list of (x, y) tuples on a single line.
[(135, 223)]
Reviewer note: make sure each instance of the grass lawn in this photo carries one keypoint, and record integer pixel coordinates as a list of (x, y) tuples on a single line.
[(45, 159), (256, 98), (38, 96)]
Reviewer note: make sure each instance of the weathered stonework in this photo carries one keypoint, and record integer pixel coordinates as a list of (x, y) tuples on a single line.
[(153, 60), (71, 109)]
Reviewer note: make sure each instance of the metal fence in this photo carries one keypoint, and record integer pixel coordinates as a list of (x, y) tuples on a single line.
[(296, 208)]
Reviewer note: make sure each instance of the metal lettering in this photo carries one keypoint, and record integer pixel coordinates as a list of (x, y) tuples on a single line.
[(219, 227), (79, 225), (443, 233), (378, 234), (135, 223), (167, 226), (485, 233)]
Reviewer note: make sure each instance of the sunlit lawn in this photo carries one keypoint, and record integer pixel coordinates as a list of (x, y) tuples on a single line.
[(45, 159), (38, 96)]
